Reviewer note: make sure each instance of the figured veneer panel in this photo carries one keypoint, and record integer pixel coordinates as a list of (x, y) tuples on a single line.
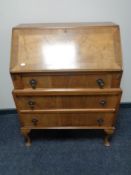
[(31, 101), (60, 48), (69, 119), (67, 80)]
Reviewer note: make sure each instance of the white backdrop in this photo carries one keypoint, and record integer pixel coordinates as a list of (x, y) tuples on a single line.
[(13, 12)]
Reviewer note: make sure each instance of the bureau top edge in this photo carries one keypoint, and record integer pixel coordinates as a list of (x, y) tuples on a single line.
[(65, 25)]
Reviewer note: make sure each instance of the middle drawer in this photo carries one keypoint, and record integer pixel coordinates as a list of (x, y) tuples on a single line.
[(41, 101)]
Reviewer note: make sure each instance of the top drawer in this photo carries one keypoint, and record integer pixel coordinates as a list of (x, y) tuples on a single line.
[(67, 80)]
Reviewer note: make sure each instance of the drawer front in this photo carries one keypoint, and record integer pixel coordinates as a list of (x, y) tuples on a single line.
[(67, 120), (66, 102), (67, 80)]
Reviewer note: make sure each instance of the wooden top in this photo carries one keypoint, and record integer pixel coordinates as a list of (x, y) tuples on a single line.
[(66, 47), (64, 25)]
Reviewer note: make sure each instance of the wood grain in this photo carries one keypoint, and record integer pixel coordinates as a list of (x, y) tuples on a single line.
[(84, 48), (66, 76), (32, 100), (67, 79), (62, 119)]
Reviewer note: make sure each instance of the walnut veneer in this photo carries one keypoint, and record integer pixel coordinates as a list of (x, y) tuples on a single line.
[(66, 76)]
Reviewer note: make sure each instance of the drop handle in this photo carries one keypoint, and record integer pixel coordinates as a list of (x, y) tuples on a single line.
[(100, 83), (33, 83), (100, 121), (35, 121), (31, 104), (103, 102)]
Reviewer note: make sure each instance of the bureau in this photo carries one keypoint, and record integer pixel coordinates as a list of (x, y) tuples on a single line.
[(66, 76)]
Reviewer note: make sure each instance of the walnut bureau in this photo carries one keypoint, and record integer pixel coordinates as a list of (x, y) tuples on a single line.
[(66, 76)]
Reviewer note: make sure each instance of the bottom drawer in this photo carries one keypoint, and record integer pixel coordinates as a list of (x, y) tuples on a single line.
[(88, 119)]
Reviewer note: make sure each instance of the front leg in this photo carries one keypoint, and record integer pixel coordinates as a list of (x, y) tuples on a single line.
[(25, 133), (108, 135)]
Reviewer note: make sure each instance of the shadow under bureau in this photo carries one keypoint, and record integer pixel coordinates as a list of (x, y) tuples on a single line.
[(66, 76)]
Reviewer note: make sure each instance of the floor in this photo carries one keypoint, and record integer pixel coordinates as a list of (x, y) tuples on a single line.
[(67, 152)]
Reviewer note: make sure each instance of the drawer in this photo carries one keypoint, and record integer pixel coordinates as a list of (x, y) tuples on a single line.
[(38, 101), (67, 80), (70, 119)]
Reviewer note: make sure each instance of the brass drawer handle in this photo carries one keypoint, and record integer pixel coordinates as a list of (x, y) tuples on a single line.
[(31, 104), (33, 83), (103, 102), (100, 83), (100, 121), (34, 121)]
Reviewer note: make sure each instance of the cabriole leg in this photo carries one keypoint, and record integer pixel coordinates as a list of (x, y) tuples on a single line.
[(25, 133), (108, 135)]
